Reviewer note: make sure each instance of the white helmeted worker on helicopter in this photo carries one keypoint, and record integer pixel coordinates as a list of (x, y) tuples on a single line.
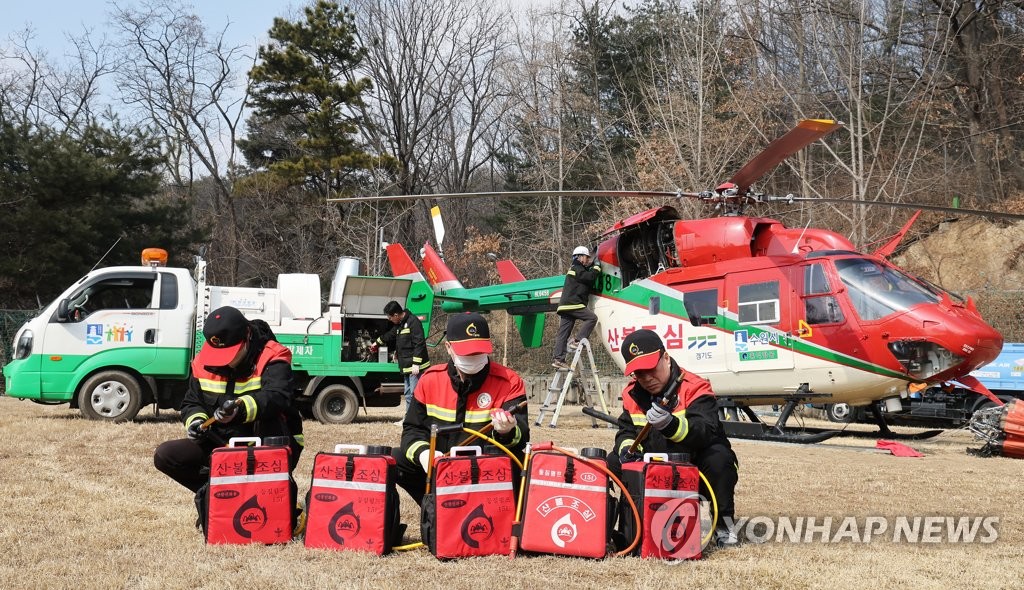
[(579, 284)]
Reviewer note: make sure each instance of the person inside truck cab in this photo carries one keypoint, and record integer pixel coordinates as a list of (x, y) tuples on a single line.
[(240, 385)]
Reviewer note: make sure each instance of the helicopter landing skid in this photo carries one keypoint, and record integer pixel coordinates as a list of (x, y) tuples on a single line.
[(884, 432), (756, 429), (762, 431)]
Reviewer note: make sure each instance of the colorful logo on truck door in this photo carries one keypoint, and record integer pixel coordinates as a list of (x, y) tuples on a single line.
[(98, 334)]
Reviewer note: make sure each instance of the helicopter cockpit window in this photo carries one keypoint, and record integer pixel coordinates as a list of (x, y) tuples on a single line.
[(815, 281), (820, 306), (877, 291), (759, 303)]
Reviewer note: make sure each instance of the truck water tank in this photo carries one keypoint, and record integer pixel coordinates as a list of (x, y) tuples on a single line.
[(347, 266), (300, 295)]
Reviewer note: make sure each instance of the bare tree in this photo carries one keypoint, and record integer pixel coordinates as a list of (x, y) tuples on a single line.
[(63, 95), (190, 85), (437, 98), (555, 128)]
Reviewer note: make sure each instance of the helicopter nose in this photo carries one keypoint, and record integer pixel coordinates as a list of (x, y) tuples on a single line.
[(979, 345), (953, 343), (986, 346)]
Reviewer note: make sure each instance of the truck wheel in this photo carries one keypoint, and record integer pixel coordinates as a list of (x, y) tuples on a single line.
[(336, 404), (114, 396), (984, 403), (841, 413)]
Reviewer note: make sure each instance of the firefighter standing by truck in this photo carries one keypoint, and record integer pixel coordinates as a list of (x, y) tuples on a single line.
[(242, 377), (683, 414), (409, 342), (471, 390)]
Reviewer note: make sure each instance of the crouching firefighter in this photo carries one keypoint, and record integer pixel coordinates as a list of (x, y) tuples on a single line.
[(470, 390), (242, 378), (682, 413)]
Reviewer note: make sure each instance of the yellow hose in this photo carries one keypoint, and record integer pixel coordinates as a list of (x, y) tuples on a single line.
[(714, 509), (495, 443)]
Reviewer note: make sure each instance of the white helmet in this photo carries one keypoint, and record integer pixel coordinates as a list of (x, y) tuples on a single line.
[(581, 251)]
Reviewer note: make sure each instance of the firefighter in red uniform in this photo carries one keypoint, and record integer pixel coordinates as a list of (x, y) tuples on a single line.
[(240, 363), (471, 390), (683, 414)]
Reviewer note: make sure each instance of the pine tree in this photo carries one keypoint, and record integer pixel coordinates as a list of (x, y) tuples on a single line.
[(66, 200), (304, 127)]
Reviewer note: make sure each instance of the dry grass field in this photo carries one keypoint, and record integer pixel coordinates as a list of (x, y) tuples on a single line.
[(83, 507)]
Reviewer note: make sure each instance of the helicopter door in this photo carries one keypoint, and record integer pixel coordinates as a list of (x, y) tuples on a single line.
[(820, 308), (758, 342)]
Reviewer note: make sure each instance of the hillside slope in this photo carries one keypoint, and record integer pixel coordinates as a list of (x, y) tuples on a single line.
[(970, 255)]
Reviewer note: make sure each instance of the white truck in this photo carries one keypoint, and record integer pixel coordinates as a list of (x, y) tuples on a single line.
[(122, 337)]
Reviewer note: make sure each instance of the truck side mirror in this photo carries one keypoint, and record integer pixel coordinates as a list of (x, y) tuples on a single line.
[(63, 314)]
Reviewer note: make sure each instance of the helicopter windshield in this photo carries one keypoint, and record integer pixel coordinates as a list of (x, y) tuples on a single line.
[(877, 291)]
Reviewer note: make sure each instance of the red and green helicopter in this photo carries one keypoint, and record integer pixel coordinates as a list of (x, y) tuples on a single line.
[(771, 315)]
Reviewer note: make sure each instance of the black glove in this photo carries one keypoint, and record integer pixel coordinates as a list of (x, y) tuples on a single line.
[(226, 412), (195, 430), (630, 457)]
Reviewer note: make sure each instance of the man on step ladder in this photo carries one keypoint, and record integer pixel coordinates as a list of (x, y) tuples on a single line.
[(575, 371), (572, 307)]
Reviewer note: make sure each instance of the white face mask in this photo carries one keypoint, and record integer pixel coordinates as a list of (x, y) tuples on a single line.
[(469, 364)]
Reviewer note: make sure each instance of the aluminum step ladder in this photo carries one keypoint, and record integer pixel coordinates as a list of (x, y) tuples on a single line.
[(576, 374)]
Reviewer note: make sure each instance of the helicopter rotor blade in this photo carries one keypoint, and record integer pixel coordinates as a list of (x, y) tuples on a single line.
[(680, 194), (505, 194), (941, 209), (805, 133)]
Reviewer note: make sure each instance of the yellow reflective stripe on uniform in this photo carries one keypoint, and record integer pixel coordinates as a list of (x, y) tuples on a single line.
[(573, 306), (300, 439), (416, 360), (250, 407), (478, 415), (441, 413), (251, 385), (517, 437), (414, 449), (682, 429), (213, 385), (595, 268), (571, 273), (405, 331), (639, 419), (216, 386), (197, 416), (625, 445)]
